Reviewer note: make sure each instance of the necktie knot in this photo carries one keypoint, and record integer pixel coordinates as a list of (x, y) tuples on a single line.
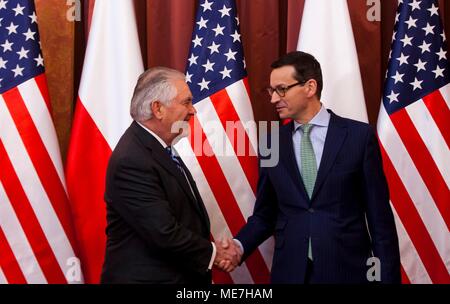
[(175, 158), (306, 129), (169, 150)]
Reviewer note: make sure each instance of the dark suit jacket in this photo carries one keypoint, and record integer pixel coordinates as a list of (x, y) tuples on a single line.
[(157, 231), (350, 187)]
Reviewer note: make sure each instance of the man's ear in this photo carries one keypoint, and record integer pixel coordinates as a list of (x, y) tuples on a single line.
[(157, 109), (311, 86)]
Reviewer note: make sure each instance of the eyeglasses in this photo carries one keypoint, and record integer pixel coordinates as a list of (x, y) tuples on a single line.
[(282, 90)]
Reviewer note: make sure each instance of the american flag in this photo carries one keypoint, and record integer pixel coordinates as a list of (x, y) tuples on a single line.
[(227, 181), (414, 133), (37, 242)]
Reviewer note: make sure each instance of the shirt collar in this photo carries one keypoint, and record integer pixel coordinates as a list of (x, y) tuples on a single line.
[(321, 119), (154, 135)]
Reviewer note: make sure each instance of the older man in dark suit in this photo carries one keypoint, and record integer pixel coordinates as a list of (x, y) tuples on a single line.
[(158, 229)]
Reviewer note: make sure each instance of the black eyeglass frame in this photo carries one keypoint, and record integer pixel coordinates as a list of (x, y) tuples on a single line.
[(281, 91)]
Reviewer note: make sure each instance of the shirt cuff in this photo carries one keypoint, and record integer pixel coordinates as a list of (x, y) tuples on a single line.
[(239, 244), (213, 257)]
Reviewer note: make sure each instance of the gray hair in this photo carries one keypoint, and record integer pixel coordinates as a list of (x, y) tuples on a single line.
[(154, 84)]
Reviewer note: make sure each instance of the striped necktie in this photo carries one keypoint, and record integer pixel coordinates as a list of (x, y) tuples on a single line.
[(309, 168), (308, 160), (177, 161)]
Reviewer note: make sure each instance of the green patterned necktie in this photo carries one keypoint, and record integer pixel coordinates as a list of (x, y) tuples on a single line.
[(308, 160), (309, 168)]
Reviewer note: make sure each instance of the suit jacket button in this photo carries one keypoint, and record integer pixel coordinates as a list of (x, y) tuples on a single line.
[(311, 210)]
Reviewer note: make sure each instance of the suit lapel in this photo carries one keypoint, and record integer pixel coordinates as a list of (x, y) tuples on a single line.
[(199, 201), (161, 156), (337, 131), (287, 157)]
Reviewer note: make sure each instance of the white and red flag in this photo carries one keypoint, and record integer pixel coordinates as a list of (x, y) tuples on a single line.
[(326, 33), (112, 65)]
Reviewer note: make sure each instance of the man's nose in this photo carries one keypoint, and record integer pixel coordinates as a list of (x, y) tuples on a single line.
[(192, 110), (275, 97)]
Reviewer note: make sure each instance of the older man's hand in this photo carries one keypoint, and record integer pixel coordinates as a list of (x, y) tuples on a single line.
[(228, 255)]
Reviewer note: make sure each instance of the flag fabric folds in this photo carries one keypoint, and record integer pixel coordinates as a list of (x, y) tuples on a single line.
[(111, 68), (414, 133), (37, 241), (221, 151), (326, 33)]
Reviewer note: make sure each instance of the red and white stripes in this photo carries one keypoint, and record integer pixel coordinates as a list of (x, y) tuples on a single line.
[(224, 165), (416, 159), (37, 237)]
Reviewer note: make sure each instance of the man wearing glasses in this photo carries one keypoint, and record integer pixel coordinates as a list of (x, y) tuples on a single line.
[(327, 200)]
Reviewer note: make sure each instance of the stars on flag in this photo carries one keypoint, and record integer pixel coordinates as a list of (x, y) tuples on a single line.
[(18, 10), (403, 59), (216, 57), (418, 63), (225, 73), (206, 6), (415, 5), (230, 55), (425, 47), (225, 11), (398, 77), (208, 66), (3, 4), (407, 40), (417, 84), (236, 36), (20, 54), (433, 10), (3, 63), (411, 22), (442, 54), (438, 72), (12, 29), (202, 23), (39, 61), (23, 53), (428, 29), (33, 18), (193, 59), (393, 97), (204, 84), (18, 71), (219, 30), (214, 48), (7, 46), (197, 41), (29, 35)]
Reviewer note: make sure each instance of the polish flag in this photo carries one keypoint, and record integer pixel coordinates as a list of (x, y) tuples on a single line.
[(112, 65), (332, 42)]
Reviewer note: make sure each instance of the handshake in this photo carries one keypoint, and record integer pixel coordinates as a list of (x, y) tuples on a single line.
[(228, 255)]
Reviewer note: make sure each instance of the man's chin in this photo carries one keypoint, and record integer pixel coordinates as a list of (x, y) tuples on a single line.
[(283, 115)]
